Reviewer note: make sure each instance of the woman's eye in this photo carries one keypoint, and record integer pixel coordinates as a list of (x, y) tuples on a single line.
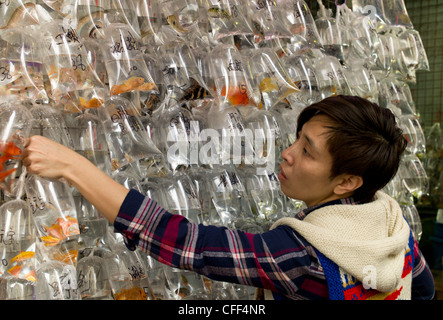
[(305, 151)]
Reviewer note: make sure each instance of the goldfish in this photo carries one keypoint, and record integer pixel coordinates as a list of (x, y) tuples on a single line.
[(20, 14), (22, 270), (6, 173), (22, 256), (267, 85), (298, 29), (133, 83), (92, 103), (69, 225), (55, 231), (295, 88), (16, 270), (175, 24), (215, 12), (237, 95), (50, 241), (69, 257), (145, 86), (9, 151), (62, 228)]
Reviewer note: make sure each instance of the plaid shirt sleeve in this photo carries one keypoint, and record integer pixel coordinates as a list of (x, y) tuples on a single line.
[(279, 260)]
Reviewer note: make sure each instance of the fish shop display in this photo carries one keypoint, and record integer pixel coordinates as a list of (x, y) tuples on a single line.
[(190, 102)]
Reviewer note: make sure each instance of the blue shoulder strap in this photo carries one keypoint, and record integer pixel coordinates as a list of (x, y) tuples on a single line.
[(332, 273)]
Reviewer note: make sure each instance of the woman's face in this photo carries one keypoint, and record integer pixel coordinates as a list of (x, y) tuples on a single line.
[(305, 171)]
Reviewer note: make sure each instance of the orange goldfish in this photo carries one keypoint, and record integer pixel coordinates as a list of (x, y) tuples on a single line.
[(69, 257), (130, 294), (133, 83), (267, 85), (9, 151), (19, 269), (22, 256), (16, 270), (92, 103), (6, 173), (68, 225), (55, 231), (237, 95), (50, 241), (62, 228)]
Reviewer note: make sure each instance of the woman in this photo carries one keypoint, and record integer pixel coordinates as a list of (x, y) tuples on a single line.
[(351, 242)]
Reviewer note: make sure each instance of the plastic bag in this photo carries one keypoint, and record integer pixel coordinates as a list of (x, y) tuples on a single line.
[(298, 19), (93, 226), (391, 12), (89, 18), (93, 282), (266, 197), (88, 137), (396, 95), (421, 61), (15, 124), (62, 7), (126, 67), (176, 132), (229, 76), (361, 35), (95, 57), (266, 22), (302, 73), (127, 275), (361, 79), (270, 138), (331, 77), (226, 18), (148, 16), (127, 138), (67, 64), (182, 16), (53, 209), (18, 13), (230, 199), (270, 77), (413, 134), (183, 82), (56, 280), (49, 122), (329, 32), (411, 50), (225, 140), (18, 240), (178, 194)]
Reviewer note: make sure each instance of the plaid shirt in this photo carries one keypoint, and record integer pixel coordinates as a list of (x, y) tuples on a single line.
[(280, 260)]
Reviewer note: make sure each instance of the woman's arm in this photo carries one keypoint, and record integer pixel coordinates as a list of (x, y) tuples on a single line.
[(49, 159)]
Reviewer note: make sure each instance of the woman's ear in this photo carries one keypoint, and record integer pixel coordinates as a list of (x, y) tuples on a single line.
[(347, 183)]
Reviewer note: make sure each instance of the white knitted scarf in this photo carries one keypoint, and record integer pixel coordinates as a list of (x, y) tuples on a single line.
[(358, 236)]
